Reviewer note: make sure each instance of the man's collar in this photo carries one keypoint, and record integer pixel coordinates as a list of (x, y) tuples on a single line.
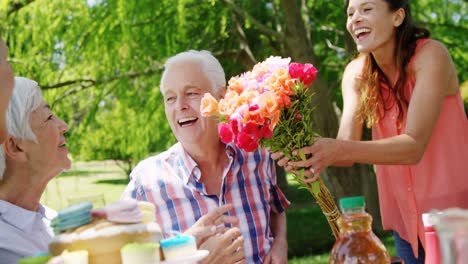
[(19, 217), (188, 164), (190, 167)]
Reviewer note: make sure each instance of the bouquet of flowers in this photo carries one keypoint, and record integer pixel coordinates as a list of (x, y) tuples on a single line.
[(271, 106)]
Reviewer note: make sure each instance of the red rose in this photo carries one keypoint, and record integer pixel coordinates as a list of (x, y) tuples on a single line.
[(248, 137), (246, 142), (304, 72), (266, 132)]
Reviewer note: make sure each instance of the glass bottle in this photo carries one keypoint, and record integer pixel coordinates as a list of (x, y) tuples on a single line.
[(357, 243)]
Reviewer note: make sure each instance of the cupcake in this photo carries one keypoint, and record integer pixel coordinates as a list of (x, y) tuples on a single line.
[(110, 229), (179, 246), (140, 253)]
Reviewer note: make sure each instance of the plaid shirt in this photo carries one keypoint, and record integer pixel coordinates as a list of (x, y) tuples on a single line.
[(170, 181)]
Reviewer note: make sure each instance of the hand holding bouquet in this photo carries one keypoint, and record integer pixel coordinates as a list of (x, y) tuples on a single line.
[(271, 106)]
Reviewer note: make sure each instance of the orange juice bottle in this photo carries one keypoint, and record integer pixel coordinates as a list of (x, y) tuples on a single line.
[(357, 243)]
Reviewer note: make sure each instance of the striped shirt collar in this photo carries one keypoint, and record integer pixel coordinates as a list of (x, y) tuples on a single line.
[(191, 167)]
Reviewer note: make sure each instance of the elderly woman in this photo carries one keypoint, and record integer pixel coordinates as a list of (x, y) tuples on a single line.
[(33, 153)]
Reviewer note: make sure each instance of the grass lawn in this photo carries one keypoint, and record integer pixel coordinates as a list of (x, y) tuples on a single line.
[(309, 236), (101, 182)]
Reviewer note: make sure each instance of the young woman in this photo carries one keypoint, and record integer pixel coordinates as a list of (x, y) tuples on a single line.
[(405, 87)]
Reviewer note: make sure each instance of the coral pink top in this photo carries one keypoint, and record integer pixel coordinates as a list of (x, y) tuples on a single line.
[(438, 181)]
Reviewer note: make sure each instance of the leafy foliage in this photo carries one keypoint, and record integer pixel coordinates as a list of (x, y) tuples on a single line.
[(99, 61)]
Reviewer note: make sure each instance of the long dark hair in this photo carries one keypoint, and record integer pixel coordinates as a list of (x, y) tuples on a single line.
[(406, 36)]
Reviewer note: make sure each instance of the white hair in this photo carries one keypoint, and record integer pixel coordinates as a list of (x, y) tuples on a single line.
[(209, 65), (26, 98)]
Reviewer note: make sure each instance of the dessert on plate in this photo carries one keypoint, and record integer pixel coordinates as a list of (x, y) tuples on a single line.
[(141, 253), (179, 246), (103, 232)]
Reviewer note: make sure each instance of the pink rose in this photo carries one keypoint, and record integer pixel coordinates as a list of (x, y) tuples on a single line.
[(253, 107), (235, 126), (304, 72), (225, 133)]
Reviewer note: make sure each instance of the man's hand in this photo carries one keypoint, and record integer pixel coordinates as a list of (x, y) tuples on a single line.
[(211, 224), (278, 253), (225, 248)]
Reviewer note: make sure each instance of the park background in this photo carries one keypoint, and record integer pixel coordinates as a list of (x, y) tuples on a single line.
[(99, 62)]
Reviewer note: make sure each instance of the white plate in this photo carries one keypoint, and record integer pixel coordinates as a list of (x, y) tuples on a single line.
[(199, 255)]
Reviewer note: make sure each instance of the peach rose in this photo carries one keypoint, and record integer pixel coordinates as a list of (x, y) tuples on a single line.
[(209, 105)]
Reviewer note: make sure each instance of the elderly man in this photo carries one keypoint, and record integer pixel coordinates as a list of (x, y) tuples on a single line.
[(200, 173), (6, 87), (33, 153)]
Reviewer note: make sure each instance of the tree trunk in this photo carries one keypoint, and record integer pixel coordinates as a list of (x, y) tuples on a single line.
[(356, 180)]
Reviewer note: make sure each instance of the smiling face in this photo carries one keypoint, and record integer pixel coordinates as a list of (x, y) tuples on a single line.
[(372, 25), (49, 153), (182, 89)]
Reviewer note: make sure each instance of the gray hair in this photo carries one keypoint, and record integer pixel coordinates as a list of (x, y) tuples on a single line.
[(26, 98), (209, 65)]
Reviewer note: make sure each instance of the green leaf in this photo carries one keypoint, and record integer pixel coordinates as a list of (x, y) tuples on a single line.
[(316, 187), (302, 155)]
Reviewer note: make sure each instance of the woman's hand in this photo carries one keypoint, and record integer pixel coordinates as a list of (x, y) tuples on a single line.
[(323, 153), (212, 223), (280, 158)]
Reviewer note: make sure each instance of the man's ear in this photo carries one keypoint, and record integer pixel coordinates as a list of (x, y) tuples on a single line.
[(399, 17), (13, 149)]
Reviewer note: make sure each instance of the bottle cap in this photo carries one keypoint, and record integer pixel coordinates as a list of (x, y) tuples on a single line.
[(354, 201)]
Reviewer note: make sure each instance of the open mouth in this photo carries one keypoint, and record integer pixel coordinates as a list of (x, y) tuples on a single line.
[(187, 121), (361, 33), (62, 145)]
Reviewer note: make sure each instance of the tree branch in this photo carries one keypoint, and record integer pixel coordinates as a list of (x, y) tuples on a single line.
[(82, 84), (261, 27), (334, 47), (244, 45), (86, 83), (236, 55), (305, 16), (17, 5)]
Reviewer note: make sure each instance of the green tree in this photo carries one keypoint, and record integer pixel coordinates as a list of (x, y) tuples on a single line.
[(99, 61)]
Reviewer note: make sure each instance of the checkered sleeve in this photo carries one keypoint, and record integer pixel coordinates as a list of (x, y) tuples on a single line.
[(278, 201), (134, 189)]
